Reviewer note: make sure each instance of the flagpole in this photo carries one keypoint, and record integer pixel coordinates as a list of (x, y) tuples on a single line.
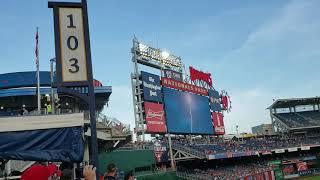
[(38, 76)]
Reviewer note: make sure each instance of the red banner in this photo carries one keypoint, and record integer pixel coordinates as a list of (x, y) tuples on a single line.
[(225, 102), (218, 123), (171, 83), (199, 75), (155, 119)]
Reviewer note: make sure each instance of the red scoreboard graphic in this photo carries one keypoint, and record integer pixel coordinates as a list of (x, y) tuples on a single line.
[(171, 83), (155, 118), (218, 123), (302, 166)]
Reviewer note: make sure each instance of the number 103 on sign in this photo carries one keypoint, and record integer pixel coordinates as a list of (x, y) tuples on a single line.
[(73, 54)]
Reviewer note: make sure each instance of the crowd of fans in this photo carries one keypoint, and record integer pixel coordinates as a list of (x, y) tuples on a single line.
[(261, 144), (300, 119), (228, 172)]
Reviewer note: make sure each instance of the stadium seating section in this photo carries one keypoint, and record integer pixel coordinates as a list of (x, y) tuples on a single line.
[(249, 145), (300, 119)]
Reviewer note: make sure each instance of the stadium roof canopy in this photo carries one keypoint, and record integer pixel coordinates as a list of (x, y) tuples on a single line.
[(23, 84), (292, 102)]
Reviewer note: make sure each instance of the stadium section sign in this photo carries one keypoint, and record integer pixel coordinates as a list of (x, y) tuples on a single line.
[(155, 118), (73, 55), (151, 87), (171, 83)]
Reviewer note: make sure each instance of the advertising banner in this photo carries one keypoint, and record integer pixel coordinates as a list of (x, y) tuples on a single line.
[(173, 75), (239, 154), (305, 148), (155, 118), (310, 172), (160, 152), (151, 87), (302, 166), (218, 123), (211, 156), (288, 169), (187, 113), (279, 151), (292, 149), (171, 83), (266, 152), (309, 158), (214, 99), (220, 156)]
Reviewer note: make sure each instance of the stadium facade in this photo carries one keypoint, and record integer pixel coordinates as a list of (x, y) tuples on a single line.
[(18, 90), (18, 105), (263, 129)]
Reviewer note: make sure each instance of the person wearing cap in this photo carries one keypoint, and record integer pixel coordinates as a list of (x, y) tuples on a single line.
[(112, 172), (36, 172)]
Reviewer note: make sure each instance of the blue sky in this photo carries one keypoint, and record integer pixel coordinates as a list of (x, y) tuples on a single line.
[(256, 50)]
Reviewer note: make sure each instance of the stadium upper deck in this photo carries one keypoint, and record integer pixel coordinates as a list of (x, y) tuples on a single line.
[(18, 90), (298, 114)]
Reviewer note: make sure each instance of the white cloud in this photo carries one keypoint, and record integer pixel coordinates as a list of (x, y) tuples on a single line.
[(288, 37), (248, 109), (294, 26)]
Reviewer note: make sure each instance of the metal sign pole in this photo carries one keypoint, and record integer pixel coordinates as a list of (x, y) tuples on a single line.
[(171, 153), (92, 102), (73, 59), (51, 77)]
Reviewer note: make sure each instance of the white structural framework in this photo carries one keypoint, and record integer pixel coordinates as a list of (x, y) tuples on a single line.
[(155, 58)]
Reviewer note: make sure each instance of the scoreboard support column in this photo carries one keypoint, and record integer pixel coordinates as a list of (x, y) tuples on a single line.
[(171, 153)]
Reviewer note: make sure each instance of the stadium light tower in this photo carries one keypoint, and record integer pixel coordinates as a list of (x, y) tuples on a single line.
[(165, 54)]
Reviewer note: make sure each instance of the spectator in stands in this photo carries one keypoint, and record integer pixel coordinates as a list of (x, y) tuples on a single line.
[(129, 176), (24, 111), (112, 172)]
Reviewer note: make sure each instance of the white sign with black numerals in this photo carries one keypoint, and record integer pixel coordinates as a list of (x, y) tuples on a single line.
[(73, 54)]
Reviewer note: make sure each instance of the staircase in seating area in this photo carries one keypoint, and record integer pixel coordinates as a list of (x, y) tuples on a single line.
[(192, 151)]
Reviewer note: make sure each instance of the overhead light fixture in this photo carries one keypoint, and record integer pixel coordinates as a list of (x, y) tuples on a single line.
[(165, 54)]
